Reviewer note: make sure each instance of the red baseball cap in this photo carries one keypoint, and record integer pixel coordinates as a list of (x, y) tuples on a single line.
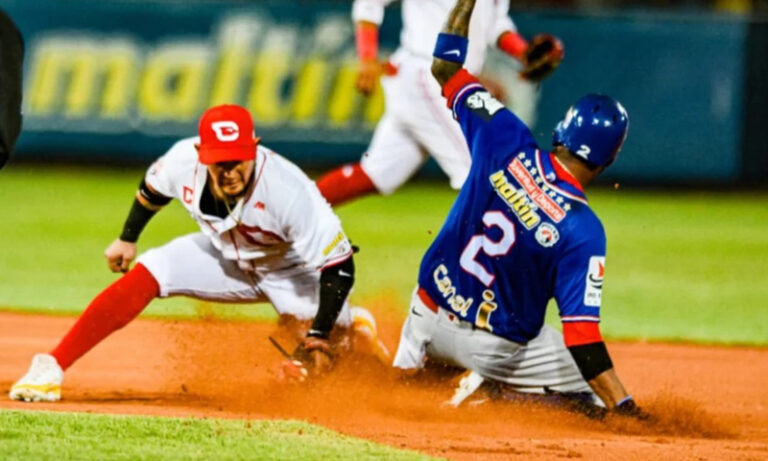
[(226, 135)]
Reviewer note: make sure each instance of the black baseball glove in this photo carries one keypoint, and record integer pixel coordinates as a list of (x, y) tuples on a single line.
[(542, 57)]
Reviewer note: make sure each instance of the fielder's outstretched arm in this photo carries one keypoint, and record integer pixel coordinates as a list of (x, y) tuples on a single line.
[(451, 52), (147, 203), (314, 356), (335, 284), (122, 251)]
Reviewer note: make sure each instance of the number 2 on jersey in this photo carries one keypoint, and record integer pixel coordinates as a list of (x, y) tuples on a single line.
[(481, 242)]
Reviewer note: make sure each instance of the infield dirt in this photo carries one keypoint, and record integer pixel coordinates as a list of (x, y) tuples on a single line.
[(708, 402)]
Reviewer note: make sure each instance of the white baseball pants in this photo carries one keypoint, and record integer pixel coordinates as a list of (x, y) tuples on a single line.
[(191, 266), (543, 362), (415, 125)]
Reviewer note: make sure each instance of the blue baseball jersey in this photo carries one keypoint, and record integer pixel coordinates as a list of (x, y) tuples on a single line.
[(519, 233)]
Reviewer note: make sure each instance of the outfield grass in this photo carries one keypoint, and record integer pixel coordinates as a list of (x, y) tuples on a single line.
[(58, 436), (681, 265)]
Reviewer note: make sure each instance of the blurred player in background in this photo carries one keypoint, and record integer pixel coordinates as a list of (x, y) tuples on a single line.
[(266, 235), (415, 123), (520, 232), (11, 60)]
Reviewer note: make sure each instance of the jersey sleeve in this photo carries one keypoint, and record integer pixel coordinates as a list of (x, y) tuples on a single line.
[(369, 10), (314, 230), (579, 277), (502, 23), (159, 174), (489, 128)]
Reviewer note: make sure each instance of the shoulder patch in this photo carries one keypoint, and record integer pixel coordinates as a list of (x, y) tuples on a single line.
[(339, 244), (483, 104), (594, 290), (156, 167)]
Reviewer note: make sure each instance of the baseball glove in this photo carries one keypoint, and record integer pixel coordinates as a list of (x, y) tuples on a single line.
[(542, 57), (313, 357)]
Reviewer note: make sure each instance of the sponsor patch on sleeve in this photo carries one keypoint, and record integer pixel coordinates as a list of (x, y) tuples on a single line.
[(338, 248), (156, 168), (594, 289), (483, 104)]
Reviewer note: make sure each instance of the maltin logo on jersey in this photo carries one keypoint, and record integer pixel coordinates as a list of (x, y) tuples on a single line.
[(547, 235), (594, 290)]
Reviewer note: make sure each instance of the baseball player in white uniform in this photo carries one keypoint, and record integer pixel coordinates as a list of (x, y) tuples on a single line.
[(266, 235), (415, 123)]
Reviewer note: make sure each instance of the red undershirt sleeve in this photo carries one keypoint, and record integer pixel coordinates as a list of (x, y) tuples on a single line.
[(580, 333), (513, 44), (367, 41), (452, 87)]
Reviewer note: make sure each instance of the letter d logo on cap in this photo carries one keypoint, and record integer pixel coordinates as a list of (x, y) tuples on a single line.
[(226, 130)]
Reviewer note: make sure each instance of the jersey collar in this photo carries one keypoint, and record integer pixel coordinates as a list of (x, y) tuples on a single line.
[(558, 178)]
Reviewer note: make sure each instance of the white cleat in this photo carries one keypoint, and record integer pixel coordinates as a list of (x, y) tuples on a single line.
[(42, 383), (367, 335), (468, 384)]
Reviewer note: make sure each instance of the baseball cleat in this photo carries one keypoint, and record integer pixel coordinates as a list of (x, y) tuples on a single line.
[(366, 335), (42, 383), (468, 384)]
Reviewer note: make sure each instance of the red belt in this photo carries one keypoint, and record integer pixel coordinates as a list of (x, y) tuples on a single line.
[(431, 305)]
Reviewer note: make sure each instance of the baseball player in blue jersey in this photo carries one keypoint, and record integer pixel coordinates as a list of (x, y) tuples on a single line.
[(520, 233)]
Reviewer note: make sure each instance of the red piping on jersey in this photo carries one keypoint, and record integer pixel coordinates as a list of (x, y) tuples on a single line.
[(246, 231), (194, 186), (234, 243), (580, 333), (564, 174), (211, 226), (256, 180), (560, 190), (459, 80), (337, 261)]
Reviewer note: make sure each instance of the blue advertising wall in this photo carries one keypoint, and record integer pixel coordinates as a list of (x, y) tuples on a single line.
[(123, 80)]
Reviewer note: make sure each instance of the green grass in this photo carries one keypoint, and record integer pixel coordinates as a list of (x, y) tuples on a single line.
[(681, 265), (60, 436)]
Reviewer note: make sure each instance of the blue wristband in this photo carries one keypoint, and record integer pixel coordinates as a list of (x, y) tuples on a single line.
[(624, 400), (451, 47)]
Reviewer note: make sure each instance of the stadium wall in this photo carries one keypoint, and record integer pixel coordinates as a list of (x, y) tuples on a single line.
[(115, 80)]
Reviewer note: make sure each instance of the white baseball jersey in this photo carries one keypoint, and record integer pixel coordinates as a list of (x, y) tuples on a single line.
[(423, 20), (416, 123), (282, 222)]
